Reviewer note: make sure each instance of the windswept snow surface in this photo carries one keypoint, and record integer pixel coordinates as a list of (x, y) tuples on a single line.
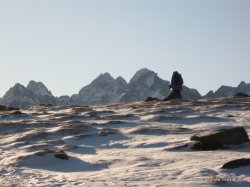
[(123, 144)]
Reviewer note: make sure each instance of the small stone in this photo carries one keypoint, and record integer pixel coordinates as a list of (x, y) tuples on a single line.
[(17, 112), (61, 155), (151, 99)]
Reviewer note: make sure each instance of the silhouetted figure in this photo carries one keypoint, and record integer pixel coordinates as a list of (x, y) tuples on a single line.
[(176, 86)]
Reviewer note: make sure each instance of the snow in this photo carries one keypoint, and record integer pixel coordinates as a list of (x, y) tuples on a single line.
[(122, 144)]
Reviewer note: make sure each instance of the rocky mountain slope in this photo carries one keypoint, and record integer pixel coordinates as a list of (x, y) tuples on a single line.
[(20, 96), (228, 91), (104, 89)]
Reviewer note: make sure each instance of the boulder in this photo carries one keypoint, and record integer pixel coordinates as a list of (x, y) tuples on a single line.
[(240, 94), (17, 112), (173, 95), (236, 163), (151, 99), (219, 139), (207, 146)]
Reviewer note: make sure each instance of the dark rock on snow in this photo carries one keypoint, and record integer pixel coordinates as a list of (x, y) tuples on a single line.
[(207, 146), (218, 139), (151, 99), (17, 112), (240, 94), (236, 163), (4, 108), (61, 155)]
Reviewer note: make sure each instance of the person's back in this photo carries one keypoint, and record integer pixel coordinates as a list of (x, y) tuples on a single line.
[(176, 86)]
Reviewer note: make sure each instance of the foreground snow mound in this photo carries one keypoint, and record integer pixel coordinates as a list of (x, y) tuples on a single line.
[(57, 161), (119, 144)]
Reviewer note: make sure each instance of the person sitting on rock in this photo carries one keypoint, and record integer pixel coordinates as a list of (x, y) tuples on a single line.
[(176, 86)]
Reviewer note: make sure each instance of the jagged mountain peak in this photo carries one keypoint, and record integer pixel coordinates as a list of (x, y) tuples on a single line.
[(105, 76), (209, 94), (18, 85), (15, 89), (121, 80), (143, 73), (243, 87), (243, 84), (104, 89), (38, 88)]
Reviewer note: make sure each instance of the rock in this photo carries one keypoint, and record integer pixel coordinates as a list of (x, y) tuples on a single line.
[(4, 108), (46, 105), (151, 99), (208, 146), (61, 155), (228, 91), (21, 97), (38, 88), (220, 138), (104, 89), (17, 112), (240, 94), (236, 163)]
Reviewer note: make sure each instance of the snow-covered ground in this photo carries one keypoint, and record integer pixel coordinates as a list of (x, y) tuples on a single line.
[(124, 144)]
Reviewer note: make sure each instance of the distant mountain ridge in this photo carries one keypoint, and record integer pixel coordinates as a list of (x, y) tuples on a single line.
[(228, 91), (107, 89), (20, 96)]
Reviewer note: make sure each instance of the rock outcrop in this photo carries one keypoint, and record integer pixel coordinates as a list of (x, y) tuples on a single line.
[(237, 163), (221, 138)]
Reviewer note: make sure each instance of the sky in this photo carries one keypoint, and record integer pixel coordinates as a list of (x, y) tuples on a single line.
[(66, 44)]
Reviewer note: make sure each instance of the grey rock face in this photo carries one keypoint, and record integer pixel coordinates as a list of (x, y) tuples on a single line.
[(38, 88), (144, 84), (224, 91), (64, 100), (189, 93), (243, 87), (228, 91), (104, 89), (18, 96)]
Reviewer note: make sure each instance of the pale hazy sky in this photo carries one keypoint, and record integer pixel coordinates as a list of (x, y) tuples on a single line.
[(67, 43)]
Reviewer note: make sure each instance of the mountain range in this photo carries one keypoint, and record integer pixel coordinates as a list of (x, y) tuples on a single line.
[(106, 89)]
